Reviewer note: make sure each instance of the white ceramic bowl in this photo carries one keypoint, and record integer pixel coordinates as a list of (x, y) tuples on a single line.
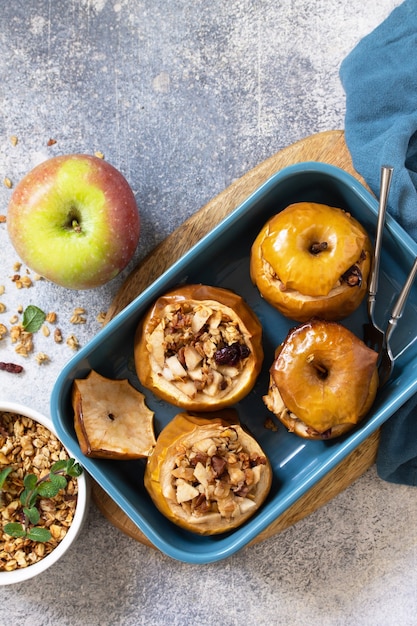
[(81, 511)]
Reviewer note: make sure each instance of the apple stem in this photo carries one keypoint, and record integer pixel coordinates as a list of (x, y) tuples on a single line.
[(76, 226)]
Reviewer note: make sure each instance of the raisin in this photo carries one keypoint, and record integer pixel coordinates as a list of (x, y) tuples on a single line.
[(231, 355), (13, 368)]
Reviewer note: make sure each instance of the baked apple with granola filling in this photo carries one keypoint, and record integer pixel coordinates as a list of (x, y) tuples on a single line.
[(199, 347), (207, 474), (312, 260)]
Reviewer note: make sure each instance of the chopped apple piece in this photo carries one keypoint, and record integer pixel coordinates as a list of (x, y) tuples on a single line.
[(175, 366), (185, 491), (214, 387), (157, 339), (111, 418), (192, 357), (201, 315)]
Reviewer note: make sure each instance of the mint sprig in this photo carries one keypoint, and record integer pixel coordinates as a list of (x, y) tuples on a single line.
[(34, 488), (33, 318)]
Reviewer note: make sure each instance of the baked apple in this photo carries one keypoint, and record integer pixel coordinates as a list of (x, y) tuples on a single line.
[(323, 380), (206, 473), (199, 348), (312, 260), (111, 418)]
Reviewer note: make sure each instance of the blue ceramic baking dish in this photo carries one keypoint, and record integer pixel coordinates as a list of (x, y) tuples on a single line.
[(222, 258)]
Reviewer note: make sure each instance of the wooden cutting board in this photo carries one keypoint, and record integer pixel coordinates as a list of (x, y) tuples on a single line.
[(327, 147)]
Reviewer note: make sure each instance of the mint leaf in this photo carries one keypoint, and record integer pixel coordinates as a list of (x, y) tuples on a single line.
[(39, 534), (33, 318), (32, 514), (30, 481), (75, 470), (28, 497), (60, 465), (58, 481), (4, 474), (47, 489), (14, 529), (69, 467)]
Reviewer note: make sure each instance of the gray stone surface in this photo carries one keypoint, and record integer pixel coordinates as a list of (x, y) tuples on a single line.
[(183, 98)]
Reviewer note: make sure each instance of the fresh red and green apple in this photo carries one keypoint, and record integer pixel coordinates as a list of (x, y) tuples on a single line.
[(73, 219)]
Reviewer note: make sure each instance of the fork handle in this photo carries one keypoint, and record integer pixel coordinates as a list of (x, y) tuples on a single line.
[(398, 309), (399, 305), (386, 176)]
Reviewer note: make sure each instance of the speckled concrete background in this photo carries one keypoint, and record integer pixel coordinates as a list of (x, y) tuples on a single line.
[(184, 98)]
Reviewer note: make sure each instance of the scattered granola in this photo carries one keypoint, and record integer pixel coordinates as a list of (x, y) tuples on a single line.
[(41, 357), (57, 335), (51, 317), (23, 278), (78, 316), (23, 339), (14, 140), (72, 342), (7, 182), (3, 219), (51, 142), (101, 318), (22, 281)]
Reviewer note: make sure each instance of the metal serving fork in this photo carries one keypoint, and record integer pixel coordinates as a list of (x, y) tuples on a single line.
[(386, 358), (373, 334)]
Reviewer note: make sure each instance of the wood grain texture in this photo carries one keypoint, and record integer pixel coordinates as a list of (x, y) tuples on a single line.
[(328, 147)]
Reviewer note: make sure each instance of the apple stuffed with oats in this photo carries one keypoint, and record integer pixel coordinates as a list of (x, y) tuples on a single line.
[(73, 219), (207, 474), (199, 348)]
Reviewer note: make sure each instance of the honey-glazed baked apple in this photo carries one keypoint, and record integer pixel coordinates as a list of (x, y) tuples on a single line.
[(323, 380), (199, 348), (207, 474), (312, 260)]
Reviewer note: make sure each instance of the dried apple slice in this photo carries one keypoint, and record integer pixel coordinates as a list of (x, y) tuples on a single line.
[(206, 473), (199, 348), (111, 418)]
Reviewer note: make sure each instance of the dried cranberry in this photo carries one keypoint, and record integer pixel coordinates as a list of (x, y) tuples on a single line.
[(13, 368), (231, 355)]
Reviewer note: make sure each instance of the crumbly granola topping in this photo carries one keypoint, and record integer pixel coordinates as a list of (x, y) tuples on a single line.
[(199, 349), (216, 475)]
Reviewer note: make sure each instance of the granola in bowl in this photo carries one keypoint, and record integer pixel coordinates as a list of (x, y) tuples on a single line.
[(28, 445)]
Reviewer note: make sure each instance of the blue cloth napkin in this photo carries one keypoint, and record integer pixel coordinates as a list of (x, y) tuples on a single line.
[(379, 77)]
